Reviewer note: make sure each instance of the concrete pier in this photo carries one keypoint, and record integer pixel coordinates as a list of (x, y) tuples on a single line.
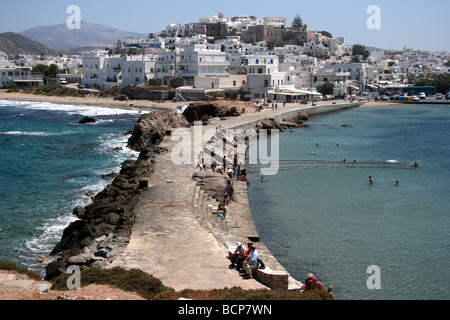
[(176, 238)]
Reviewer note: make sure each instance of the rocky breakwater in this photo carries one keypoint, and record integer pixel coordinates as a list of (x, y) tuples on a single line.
[(104, 226)]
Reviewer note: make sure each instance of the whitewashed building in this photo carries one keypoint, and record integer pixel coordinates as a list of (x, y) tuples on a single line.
[(103, 71), (198, 61)]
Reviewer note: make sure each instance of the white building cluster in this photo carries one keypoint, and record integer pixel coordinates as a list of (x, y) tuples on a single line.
[(259, 70)]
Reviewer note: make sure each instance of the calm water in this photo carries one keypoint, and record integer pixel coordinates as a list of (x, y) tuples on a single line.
[(325, 217), (48, 162)]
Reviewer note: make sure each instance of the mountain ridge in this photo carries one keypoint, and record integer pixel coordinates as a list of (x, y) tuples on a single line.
[(89, 35), (15, 44)]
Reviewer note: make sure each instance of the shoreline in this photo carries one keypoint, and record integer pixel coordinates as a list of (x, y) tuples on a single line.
[(243, 121), (93, 101)]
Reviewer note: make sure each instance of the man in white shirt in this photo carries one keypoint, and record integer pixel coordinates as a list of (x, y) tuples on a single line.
[(238, 256), (251, 263)]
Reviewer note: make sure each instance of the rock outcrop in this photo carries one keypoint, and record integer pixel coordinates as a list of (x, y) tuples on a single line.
[(87, 120), (151, 128), (215, 184), (201, 111)]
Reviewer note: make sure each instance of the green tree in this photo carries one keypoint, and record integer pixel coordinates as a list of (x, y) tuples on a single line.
[(49, 72), (360, 50), (326, 34), (325, 88), (297, 22)]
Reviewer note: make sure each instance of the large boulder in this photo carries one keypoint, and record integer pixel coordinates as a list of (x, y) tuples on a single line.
[(151, 128), (214, 184)]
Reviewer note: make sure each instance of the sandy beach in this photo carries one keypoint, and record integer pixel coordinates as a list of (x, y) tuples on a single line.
[(89, 101), (379, 103)]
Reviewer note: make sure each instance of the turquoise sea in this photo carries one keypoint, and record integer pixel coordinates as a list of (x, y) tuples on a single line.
[(49, 164), (319, 214)]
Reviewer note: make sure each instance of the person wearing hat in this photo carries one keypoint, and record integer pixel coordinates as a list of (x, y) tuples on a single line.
[(308, 281), (238, 256)]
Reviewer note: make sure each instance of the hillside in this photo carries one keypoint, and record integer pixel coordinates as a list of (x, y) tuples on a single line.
[(15, 44), (89, 35)]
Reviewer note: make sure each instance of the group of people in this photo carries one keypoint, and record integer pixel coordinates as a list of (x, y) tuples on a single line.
[(311, 283), (232, 172), (247, 260)]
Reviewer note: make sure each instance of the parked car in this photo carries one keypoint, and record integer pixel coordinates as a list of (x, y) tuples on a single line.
[(384, 98), (361, 98), (422, 95), (416, 98), (439, 96)]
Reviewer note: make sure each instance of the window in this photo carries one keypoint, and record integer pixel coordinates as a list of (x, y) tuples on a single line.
[(260, 70), (266, 83)]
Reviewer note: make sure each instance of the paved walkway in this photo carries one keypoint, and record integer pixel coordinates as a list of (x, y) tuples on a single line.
[(168, 239)]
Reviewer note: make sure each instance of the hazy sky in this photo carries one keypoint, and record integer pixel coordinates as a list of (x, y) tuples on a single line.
[(412, 23)]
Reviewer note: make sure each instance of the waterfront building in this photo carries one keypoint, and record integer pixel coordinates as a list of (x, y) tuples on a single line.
[(263, 75), (198, 61), (21, 76), (102, 71)]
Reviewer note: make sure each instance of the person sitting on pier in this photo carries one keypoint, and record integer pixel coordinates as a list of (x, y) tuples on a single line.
[(317, 285), (244, 178), (308, 282), (238, 257), (222, 207), (251, 263)]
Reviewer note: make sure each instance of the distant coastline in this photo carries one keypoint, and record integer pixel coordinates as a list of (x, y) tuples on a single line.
[(109, 102)]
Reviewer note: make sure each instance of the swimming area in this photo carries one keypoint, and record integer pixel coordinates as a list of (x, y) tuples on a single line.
[(319, 214)]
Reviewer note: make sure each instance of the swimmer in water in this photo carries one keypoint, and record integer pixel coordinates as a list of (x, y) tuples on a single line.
[(396, 183), (370, 180), (416, 164)]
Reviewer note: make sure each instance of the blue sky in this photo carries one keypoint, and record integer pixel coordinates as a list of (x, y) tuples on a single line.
[(415, 24)]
